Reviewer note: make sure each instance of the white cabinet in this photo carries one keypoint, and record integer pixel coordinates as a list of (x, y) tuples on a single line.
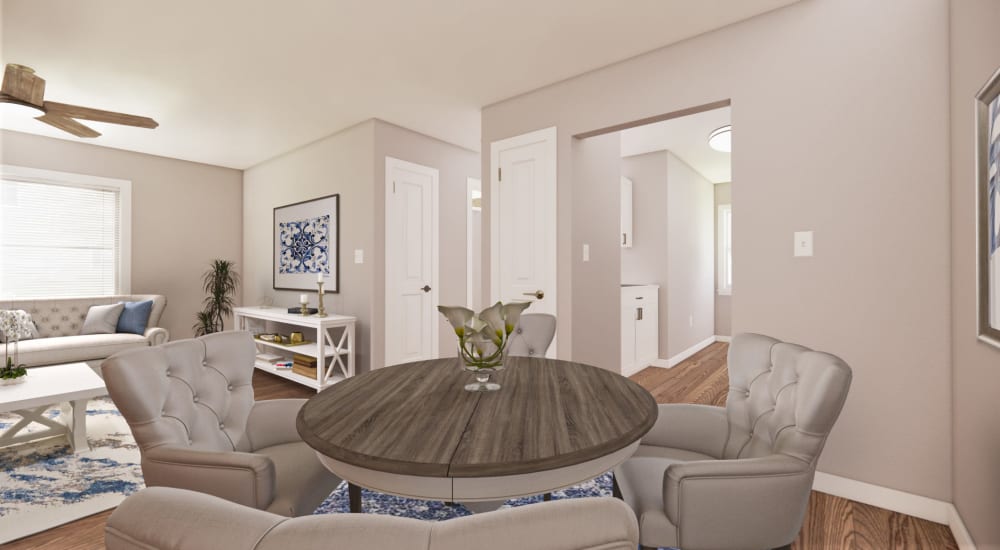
[(640, 327), (626, 236)]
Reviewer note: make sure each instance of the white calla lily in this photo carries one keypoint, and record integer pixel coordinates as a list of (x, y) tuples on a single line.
[(512, 314), (458, 316), (493, 316)]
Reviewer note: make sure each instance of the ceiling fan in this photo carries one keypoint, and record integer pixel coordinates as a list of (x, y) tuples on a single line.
[(21, 86)]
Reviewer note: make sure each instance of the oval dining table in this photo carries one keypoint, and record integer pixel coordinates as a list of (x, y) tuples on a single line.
[(412, 430)]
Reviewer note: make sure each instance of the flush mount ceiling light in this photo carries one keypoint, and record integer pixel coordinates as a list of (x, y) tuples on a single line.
[(721, 139)]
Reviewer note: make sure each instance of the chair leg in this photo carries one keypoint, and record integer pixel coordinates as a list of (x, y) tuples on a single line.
[(354, 497), (616, 491)]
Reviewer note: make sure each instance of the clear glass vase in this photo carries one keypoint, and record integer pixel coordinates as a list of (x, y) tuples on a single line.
[(482, 375)]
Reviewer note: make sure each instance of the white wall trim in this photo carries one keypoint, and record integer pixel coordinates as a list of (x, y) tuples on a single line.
[(910, 504), (675, 360), (958, 530), (720, 338)]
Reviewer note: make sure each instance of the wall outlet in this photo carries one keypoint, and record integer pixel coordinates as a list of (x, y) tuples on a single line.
[(586, 252), (803, 243), (690, 320), (359, 256)]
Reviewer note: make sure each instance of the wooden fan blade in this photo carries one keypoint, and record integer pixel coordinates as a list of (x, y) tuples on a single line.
[(22, 83), (97, 115), (67, 124)]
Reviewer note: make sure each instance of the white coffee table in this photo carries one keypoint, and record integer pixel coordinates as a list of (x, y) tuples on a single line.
[(71, 385)]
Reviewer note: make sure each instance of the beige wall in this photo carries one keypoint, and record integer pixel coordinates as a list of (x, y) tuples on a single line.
[(184, 215), (974, 46), (646, 262), (723, 303), (352, 163), (691, 265), (815, 87), (596, 290), (341, 163), (455, 165)]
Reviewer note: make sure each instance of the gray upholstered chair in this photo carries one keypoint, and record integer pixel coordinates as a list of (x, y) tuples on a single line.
[(190, 405), (533, 335), (740, 476), (169, 519)]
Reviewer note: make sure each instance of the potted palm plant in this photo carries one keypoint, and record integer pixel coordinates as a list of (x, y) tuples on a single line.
[(220, 282)]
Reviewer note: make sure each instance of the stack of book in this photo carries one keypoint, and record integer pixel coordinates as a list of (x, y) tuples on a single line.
[(304, 365)]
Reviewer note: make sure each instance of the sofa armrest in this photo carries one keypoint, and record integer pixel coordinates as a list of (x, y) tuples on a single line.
[(156, 335), (763, 500), (699, 428), (272, 422), (245, 478), (172, 519)]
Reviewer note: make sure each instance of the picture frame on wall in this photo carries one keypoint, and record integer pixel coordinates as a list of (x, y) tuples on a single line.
[(307, 244), (988, 208)]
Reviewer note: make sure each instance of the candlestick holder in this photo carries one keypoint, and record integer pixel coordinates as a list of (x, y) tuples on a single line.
[(305, 309), (321, 310)]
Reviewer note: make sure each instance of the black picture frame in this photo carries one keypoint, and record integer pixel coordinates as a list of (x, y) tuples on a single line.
[(295, 268)]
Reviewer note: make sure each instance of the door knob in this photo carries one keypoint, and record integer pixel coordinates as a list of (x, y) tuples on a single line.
[(426, 288), (538, 294)]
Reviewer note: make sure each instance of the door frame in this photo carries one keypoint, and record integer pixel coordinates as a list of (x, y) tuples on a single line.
[(471, 184), (549, 137), (390, 163)]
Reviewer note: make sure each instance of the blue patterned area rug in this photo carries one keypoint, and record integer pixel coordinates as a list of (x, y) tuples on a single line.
[(44, 484), (373, 502)]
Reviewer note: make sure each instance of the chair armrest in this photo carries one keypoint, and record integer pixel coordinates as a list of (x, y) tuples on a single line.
[(699, 428), (156, 335), (272, 422), (759, 501), (172, 519), (245, 478)]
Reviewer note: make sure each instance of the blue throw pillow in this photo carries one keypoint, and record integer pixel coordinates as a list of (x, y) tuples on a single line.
[(135, 317)]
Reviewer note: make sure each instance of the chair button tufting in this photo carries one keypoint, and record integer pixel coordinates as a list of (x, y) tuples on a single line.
[(221, 425), (167, 372), (531, 352), (196, 399), (519, 331), (230, 387), (190, 442)]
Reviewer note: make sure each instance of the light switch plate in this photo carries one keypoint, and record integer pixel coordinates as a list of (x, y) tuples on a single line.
[(586, 252), (803, 243), (359, 256)]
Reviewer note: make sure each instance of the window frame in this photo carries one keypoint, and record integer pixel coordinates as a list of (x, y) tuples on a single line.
[(68, 179), (724, 243)]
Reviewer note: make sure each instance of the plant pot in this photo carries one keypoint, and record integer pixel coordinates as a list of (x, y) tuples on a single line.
[(13, 381)]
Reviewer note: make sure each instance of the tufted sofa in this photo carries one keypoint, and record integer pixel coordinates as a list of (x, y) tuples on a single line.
[(59, 321), (738, 476), (190, 405), (169, 519)]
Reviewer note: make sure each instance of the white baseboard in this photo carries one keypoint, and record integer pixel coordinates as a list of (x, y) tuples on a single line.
[(719, 338), (918, 506), (676, 360), (958, 530)]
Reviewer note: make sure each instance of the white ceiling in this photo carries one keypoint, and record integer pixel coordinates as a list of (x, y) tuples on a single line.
[(687, 138), (236, 82)]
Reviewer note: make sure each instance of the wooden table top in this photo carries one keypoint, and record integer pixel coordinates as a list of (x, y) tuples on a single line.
[(416, 419)]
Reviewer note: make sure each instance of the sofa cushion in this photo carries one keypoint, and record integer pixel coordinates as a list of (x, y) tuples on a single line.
[(69, 349), (102, 319), (134, 317)]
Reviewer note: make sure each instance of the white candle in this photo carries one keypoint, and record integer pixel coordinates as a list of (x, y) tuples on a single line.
[(303, 298), (319, 277)]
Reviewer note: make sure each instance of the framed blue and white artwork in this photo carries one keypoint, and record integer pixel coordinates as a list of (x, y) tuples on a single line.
[(988, 200), (306, 244)]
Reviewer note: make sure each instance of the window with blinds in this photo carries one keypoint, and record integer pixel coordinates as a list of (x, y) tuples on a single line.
[(60, 237)]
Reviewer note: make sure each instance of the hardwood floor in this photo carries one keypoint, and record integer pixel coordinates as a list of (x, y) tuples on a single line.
[(830, 523)]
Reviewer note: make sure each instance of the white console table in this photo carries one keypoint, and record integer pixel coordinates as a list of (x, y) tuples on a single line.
[(333, 348)]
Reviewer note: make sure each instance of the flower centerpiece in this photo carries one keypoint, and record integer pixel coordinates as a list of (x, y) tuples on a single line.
[(14, 325), (482, 338)]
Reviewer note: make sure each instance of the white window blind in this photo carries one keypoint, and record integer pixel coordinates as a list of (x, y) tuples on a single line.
[(61, 238), (725, 238)]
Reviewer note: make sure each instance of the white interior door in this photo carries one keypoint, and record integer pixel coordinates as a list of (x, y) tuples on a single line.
[(411, 262), (523, 221)]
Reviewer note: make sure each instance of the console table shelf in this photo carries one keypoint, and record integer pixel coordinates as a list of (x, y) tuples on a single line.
[(333, 348)]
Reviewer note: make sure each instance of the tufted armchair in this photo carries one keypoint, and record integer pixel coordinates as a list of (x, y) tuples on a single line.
[(191, 408), (533, 335), (738, 477)]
